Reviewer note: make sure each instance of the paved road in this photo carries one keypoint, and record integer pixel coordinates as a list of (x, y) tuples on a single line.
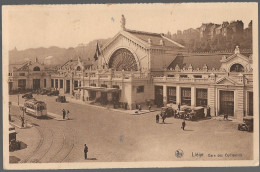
[(116, 136)]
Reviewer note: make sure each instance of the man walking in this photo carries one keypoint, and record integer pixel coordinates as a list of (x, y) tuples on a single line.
[(183, 124), (63, 113), (157, 118), (86, 151)]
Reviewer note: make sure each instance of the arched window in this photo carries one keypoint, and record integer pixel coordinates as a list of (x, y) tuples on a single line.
[(237, 68), (78, 68), (36, 68)]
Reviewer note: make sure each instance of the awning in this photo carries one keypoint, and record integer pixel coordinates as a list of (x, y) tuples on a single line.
[(101, 89)]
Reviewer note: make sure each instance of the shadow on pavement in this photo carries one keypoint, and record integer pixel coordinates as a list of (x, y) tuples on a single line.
[(188, 130), (91, 158)]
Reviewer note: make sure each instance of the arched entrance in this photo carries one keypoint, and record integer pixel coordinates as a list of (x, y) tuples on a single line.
[(123, 59), (236, 68)]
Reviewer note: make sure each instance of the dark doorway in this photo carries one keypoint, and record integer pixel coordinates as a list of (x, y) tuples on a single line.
[(251, 107), (67, 86), (103, 98), (158, 99), (36, 84), (227, 103)]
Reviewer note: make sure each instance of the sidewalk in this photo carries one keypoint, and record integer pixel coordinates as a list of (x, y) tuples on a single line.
[(131, 112), (230, 119)]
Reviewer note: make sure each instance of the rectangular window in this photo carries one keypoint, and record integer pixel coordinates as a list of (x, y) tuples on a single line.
[(140, 89), (56, 83), (186, 96), (61, 83), (44, 83), (21, 74), (22, 83), (10, 74), (52, 83), (171, 95), (115, 86), (104, 85), (76, 84), (201, 97), (93, 85), (183, 76), (170, 75), (197, 76)]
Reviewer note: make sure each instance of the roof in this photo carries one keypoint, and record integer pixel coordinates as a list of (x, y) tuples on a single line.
[(154, 37), (197, 61), (71, 64)]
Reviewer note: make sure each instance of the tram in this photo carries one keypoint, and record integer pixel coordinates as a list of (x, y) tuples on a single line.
[(35, 108)]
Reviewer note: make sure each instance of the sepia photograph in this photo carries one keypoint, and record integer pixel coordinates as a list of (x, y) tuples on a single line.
[(130, 85)]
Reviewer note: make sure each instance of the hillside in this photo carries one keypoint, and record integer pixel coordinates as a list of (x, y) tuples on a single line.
[(55, 55)]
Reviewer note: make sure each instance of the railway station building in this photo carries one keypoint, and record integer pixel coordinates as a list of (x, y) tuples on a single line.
[(137, 67)]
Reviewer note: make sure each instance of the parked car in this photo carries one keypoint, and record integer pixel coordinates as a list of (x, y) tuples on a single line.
[(27, 96), (44, 92), (167, 111), (247, 125), (61, 99), (53, 93), (196, 113)]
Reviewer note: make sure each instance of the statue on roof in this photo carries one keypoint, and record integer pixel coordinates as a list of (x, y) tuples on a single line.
[(123, 22), (237, 51)]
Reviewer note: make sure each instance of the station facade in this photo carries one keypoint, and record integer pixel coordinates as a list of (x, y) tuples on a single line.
[(137, 67)]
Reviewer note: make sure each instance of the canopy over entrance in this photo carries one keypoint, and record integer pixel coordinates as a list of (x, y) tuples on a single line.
[(101, 89)]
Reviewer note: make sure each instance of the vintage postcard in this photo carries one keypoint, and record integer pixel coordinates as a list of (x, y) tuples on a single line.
[(130, 85)]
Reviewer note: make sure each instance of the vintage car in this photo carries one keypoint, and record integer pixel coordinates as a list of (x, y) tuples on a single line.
[(248, 124), (196, 113), (44, 92), (27, 96), (53, 93), (61, 99), (167, 112)]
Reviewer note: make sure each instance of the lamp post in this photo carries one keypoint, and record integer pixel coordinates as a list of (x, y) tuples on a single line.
[(18, 98)]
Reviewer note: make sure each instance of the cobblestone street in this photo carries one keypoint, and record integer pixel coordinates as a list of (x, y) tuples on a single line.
[(116, 136)]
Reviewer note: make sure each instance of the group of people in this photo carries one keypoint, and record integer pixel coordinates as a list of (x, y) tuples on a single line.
[(64, 114)]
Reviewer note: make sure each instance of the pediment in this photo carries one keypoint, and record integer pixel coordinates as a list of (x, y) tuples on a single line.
[(119, 36), (225, 81), (238, 57)]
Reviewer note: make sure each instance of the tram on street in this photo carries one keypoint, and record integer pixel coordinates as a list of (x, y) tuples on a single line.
[(35, 108)]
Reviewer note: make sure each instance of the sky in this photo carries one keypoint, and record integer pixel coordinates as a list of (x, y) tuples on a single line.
[(32, 26)]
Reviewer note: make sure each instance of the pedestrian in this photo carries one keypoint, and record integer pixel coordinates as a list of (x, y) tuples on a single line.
[(157, 118), (22, 119), (179, 106), (149, 107), (140, 108), (183, 124), (86, 151), (63, 113), (68, 114), (136, 106)]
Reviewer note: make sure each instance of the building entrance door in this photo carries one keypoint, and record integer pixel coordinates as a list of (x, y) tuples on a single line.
[(158, 96), (67, 86), (36, 84), (227, 103)]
